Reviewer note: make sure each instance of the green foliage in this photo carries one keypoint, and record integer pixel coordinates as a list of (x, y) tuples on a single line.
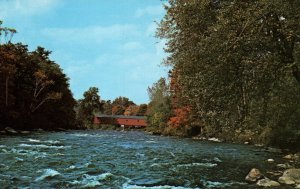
[(236, 64), (159, 108), (142, 110), (122, 101), (118, 110), (107, 107), (89, 105), (120, 104)]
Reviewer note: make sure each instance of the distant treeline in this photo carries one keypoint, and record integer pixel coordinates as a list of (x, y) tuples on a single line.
[(235, 71), (91, 104), (34, 92)]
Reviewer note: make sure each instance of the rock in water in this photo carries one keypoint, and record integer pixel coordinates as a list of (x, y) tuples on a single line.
[(294, 157), (25, 132), (213, 139), (10, 130), (254, 175), (284, 166), (267, 183), (289, 156), (286, 180), (290, 176)]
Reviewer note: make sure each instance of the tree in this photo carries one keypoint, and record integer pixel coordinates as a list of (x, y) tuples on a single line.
[(234, 63), (34, 90), (6, 33), (131, 110), (117, 110), (30, 83), (159, 108), (89, 105), (122, 101), (120, 104), (107, 107), (142, 110)]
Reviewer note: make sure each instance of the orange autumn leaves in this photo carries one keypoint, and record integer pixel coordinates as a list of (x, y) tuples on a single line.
[(180, 118)]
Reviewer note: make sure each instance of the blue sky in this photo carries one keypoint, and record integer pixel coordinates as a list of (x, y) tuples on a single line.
[(108, 44)]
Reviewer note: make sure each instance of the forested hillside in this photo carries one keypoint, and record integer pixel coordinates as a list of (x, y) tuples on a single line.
[(34, 91), (235, 71)]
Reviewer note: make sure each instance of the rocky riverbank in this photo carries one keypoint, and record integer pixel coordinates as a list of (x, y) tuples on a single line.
[(11, 131), (287, 173)]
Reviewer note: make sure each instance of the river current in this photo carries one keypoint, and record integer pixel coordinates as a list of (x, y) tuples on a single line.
[(129, 160)]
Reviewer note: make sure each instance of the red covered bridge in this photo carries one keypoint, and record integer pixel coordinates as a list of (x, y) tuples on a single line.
[(130, 121)]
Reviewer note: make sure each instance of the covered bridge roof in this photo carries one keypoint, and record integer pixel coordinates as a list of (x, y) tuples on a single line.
[(119, 116)]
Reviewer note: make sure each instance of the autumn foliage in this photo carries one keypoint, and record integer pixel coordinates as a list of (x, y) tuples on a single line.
[(180, 118)]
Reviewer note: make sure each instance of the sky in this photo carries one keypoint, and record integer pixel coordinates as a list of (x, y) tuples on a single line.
[(109, 44)]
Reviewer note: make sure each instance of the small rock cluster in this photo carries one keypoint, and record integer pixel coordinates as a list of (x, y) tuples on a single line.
[(11, 131), (256, 176), (292, 157), (291, 176)]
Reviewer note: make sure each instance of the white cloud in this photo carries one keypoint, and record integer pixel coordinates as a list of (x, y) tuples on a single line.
[(150, 10), (12, 8), (90, 34)]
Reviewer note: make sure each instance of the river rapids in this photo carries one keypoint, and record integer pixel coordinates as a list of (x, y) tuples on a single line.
[(128, 160)]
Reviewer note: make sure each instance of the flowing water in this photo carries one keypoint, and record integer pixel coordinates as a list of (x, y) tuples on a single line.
[(130, 160)]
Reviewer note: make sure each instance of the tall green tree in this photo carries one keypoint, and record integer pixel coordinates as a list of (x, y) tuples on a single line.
[(89, 105), (159, 108)]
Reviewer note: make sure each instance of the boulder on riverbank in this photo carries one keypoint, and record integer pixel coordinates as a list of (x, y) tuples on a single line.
[(10, 130), (213, 139), (284, 165), (254, 175), (24, 132), (267, 183), (290, 176), (293, 157)]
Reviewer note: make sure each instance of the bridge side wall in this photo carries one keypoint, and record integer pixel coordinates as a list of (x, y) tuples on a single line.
[(131, 122), (120, 121)]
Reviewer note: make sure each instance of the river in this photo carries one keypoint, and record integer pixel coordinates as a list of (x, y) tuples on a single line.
[(129, 160)]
